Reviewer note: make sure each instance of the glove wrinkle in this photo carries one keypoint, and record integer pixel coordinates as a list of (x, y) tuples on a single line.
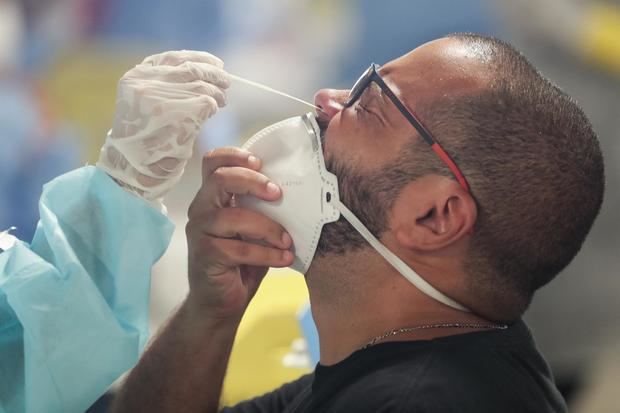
[(161, 105)]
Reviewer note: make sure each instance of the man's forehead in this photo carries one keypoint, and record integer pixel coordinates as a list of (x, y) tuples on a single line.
[(443, 67)]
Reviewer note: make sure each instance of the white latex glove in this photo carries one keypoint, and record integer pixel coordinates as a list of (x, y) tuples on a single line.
[(161, 106)]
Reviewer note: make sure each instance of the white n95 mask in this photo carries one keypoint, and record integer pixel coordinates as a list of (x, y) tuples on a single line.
[(292, 157)]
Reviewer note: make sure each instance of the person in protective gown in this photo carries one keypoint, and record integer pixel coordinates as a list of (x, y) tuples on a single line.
[(74, 302)]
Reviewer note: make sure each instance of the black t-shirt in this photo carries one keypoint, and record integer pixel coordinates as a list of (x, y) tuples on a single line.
[(487, 371)]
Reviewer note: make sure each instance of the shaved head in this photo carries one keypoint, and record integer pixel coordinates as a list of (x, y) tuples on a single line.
[(526, 149), (529, 154)]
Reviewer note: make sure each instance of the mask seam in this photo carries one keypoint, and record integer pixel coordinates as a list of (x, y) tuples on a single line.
[(326, 183)]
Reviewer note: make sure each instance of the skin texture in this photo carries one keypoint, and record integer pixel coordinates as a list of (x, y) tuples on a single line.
[(356, 295)]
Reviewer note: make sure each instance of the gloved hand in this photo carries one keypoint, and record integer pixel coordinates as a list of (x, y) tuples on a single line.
[(161, 106)]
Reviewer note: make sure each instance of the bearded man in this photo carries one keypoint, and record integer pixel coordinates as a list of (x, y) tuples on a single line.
[(480, 180)]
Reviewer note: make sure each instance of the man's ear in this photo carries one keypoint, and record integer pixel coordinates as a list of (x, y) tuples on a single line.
[(432, 213)]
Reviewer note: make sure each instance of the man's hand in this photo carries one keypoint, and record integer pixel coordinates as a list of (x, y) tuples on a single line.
[(231, 248), (160, 108)]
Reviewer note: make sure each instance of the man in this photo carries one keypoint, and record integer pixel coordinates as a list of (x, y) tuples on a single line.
[(486, 222)]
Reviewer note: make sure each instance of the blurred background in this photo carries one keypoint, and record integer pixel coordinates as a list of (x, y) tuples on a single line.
[(60, 61)]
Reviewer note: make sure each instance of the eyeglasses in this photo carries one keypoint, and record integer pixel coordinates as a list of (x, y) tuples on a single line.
[(371, 75)]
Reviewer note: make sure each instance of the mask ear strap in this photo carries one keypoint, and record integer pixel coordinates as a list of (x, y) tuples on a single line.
[(396, 262)]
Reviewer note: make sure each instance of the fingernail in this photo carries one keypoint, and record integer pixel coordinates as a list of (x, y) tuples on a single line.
[(286, 239), (253, 161), (287, 256), (272, 188)]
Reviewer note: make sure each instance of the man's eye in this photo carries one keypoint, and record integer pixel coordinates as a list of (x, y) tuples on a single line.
[(359, 108)]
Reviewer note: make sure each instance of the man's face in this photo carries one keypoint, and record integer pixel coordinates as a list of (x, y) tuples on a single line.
[(362, 142)]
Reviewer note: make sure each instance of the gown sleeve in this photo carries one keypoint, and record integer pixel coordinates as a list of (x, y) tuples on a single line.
[(74, 303)]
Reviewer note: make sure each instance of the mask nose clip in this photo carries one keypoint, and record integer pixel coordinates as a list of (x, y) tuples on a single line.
[(329, 182)]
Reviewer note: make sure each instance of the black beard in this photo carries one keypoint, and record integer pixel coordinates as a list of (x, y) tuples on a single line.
[(365, 196)]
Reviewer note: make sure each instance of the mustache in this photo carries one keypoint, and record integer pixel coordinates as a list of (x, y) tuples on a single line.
[(322, 128), (323, 123)]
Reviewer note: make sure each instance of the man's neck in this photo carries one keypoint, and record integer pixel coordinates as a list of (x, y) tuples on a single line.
[(358, 296)]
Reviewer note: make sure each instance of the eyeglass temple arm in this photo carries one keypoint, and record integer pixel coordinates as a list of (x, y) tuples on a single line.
[(412, 119), (428, 138), (438, 149)]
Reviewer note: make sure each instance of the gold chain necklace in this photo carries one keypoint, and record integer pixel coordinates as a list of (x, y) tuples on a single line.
[(428, 326)]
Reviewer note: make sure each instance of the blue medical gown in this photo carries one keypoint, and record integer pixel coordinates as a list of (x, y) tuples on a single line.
[(74, 303)]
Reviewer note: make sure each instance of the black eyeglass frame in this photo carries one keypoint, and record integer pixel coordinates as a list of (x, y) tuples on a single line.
[(372, 75)]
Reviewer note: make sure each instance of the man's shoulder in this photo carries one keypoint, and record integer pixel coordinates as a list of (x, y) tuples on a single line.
[(483, 373), (442, 376)]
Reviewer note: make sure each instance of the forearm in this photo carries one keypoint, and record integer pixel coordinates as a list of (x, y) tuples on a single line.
[(183, 369)]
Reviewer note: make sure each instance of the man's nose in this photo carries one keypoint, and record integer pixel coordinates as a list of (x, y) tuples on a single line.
[(331, 101)]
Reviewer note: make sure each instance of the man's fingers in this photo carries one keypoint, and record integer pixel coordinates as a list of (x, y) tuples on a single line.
[(225, 182), (235, 180), (233, 253), (232, 222), (228, 156), (227, 172)]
